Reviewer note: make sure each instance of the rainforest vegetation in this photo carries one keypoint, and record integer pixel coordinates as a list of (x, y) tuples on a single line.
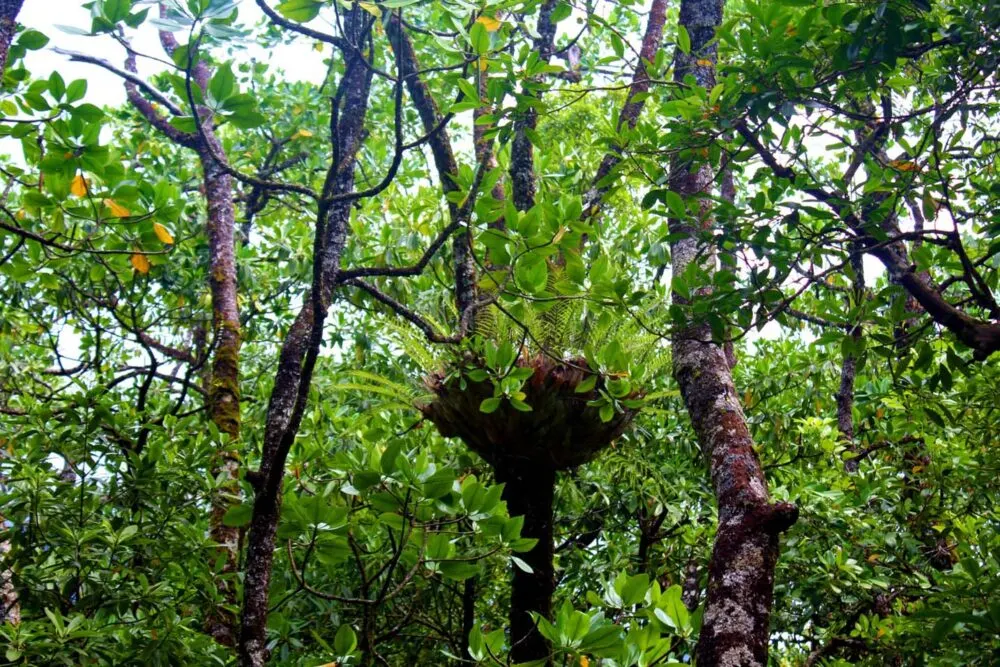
[(528, 332)]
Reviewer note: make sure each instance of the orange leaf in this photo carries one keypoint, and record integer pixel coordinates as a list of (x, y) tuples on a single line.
[(117, 209), (139, 263), (163, 233), (704, 62), (490, 23), (79, 186)]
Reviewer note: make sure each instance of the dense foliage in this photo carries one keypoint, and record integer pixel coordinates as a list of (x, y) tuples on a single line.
[(243, 319)]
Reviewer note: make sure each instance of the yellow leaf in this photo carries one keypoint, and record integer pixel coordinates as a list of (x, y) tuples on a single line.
[(163, 233), (318, 46), (139, 263), (117, 209), (491, 24), (704, 62), (584, 661), (79, 186), (302, 134), (483, 63), (873, 558), (904, 165), (747, 399), (371, 8)]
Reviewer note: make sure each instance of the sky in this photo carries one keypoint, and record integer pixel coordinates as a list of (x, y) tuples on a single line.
[(299, 60)]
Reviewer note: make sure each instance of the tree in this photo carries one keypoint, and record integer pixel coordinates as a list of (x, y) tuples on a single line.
[(372, 369)]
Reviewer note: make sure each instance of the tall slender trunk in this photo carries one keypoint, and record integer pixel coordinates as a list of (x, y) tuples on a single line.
[(224, 383), (849, 363), (297, 360), (468, 616), (529, 491), (10, 606), (741, 571)]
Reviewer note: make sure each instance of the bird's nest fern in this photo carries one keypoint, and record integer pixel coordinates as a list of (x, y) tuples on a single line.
[(550, 386)]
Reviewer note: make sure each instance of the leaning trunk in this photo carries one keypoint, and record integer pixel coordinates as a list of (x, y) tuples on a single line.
[(297, 360)]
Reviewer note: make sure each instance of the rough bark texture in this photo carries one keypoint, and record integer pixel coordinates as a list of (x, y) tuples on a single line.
[(8, 26), (444, 159), (529, 492), (741, 571), (522, 152), (848, 367), (224, 384), (629, 115), (297, 360), (10, 608)]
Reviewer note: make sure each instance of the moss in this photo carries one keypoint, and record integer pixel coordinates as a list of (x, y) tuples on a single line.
[(224, 388)]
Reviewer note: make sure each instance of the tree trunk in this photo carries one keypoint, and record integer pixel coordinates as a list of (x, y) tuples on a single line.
[(8, 26), (295, 365), (224, 385), (10, 608), (529, 491), (741, 571)]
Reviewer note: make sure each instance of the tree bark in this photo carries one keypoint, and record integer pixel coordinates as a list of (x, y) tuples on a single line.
[(741, 571), (849, 363), (522, 152), (10, 608), (297, 360), (8, 27), (444, 160), (529, 491)]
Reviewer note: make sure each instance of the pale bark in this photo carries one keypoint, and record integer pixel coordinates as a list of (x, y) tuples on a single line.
[(10, 607)]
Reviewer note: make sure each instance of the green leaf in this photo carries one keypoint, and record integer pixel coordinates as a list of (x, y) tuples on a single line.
[(588, 384), (32, 40), (480, 39), (561, 11), (683, 39), (302, 11), (459, 571), (490, 405), (345, 641), (76, 90), (223, 83), (238, 515)]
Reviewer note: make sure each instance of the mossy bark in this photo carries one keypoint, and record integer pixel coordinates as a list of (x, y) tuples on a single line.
[(735, 626), (224, 383)]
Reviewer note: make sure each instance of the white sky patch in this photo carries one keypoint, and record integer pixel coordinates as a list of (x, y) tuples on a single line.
[(299, 61)]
